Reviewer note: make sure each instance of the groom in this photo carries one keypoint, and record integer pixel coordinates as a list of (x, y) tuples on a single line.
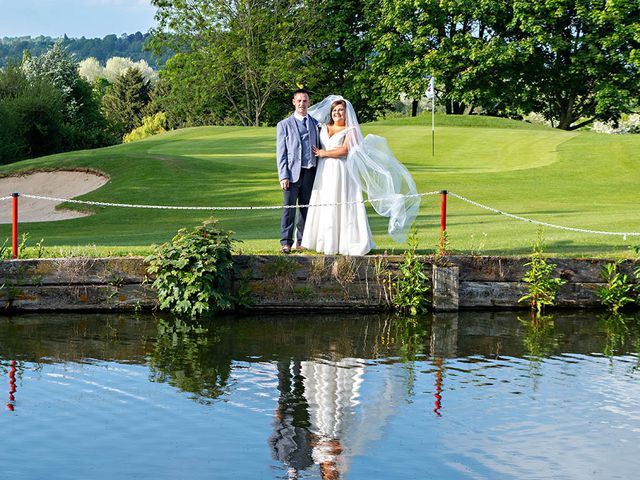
[(295, 137)]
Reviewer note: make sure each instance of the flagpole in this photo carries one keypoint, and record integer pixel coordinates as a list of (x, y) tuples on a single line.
[(433, 126)]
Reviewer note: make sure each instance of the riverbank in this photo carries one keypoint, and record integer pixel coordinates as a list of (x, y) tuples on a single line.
[(298, 282)]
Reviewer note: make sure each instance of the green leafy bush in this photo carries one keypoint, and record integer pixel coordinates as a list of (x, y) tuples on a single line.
[(542, 287), (192, 271), (617, 291), (412, 284)]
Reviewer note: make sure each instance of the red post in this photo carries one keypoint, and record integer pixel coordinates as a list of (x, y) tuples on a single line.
[(14, 230), (443, 219)]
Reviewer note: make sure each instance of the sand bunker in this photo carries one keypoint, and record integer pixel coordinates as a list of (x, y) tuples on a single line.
[(58, 184)]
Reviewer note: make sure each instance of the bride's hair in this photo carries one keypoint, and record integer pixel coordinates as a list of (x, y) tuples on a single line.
[(334, 105)]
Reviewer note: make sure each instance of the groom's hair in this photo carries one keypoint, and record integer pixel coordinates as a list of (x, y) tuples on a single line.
[(302, 90)]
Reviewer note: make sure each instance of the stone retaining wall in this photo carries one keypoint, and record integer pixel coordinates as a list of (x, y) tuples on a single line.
[(297, 282)]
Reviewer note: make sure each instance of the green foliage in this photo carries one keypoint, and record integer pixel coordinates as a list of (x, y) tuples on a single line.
[(571, 60), (636, 273), (191, 272), (542, 286), (443, 245), (409, 296), (31, 116), (150, 126), (617, 291), (45, 107), (123, 104), (250, 54), (188, 94), (342, 52)]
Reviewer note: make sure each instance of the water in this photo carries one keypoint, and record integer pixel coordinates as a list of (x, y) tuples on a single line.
[(469, 395)]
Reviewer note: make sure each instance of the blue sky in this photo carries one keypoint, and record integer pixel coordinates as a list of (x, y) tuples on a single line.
[(76, 18)]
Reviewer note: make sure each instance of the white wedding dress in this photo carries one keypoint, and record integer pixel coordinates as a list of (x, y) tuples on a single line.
[(332, 228)]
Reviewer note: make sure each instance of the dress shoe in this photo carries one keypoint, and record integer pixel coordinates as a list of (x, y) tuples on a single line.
[(286, 249), (299, 248)]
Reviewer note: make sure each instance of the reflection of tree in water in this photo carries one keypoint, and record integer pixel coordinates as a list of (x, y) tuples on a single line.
[(404, 336), (620, 331), (191, 357), (539, 339)]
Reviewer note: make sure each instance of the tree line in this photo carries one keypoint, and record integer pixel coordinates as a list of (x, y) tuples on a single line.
[(572, 61), (126, 45)]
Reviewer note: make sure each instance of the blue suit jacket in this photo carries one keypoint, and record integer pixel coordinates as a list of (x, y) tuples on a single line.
[(289, 148)]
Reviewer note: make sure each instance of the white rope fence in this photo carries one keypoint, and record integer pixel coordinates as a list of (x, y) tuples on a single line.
[(174, 207), (278, 207), (545, 224)]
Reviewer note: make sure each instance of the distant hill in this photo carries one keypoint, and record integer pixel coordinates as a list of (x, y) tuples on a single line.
[(130, 46)]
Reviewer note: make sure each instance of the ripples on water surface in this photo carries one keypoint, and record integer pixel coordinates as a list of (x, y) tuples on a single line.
[(474, 395)]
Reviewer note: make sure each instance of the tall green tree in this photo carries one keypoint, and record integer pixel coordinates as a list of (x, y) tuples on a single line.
[(251, 51), (574, 61), (188, 95), (415, 39), (582, 60), (31, 116), (341, 54), (83, 125), (125, 101)]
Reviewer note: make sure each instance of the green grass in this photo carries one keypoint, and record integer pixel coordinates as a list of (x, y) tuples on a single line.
[(576, 179)]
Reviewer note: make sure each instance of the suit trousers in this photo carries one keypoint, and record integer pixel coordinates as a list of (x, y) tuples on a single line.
[(299, 193)]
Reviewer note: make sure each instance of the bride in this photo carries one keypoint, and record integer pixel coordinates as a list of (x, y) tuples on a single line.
[(339, 223), (347, 166)]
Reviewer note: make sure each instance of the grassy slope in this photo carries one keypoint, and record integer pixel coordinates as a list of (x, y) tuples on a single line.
[(576, 179)]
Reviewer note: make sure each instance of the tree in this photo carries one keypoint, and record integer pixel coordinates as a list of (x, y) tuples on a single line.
[(90, 69), (252, 50), (341, 54), (416, 39), (57, 66), (31, 116), (125, 100), (117, 66), (83, 125), (581, 58), (189, 96)]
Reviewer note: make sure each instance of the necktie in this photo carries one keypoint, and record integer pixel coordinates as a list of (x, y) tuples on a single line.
[(304, 123)]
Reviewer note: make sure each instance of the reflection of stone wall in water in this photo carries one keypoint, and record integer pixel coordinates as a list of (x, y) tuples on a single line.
[(199, 359), (52, 337)]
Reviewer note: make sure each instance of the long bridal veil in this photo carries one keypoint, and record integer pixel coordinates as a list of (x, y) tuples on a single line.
[(387, 183)]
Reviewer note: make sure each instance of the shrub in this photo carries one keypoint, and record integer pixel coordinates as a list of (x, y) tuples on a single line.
[(617, 291), (150, 126), (542, 287), (192, 271), (411, 287)]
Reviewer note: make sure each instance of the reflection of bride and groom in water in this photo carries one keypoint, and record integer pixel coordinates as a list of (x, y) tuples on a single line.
[(322, 417), (316, 406)]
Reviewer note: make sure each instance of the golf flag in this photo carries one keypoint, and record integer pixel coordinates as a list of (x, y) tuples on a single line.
[(430, 89), (431, 93)]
